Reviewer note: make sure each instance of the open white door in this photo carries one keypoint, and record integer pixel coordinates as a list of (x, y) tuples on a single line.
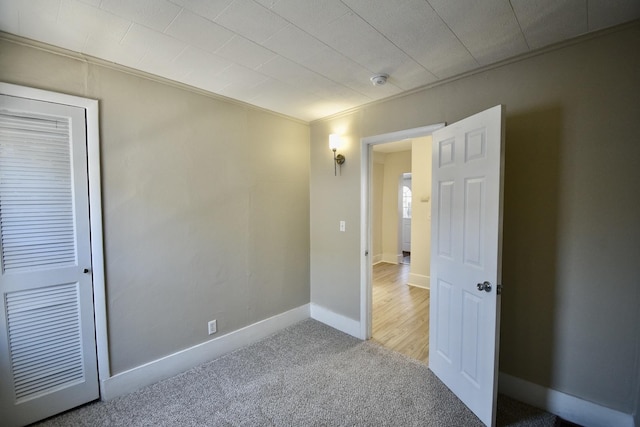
[(466, 241), (47, 335)]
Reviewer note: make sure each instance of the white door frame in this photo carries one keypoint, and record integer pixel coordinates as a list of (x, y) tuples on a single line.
[(95, 209), (366, 160)]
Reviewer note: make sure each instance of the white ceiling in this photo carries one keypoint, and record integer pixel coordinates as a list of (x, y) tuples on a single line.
[(308, 58)]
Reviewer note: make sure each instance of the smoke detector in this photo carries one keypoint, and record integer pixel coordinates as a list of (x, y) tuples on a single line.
[(379, 79)]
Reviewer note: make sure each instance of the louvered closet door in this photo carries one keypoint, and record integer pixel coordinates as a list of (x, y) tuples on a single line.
[(47, 339)]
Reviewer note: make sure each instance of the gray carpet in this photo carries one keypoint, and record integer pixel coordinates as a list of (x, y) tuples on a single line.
[(307, 375)]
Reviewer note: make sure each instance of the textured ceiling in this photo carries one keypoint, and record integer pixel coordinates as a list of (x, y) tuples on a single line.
[(308, 58)]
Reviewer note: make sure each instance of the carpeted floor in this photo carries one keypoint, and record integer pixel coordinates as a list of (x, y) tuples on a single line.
[(307, 375)]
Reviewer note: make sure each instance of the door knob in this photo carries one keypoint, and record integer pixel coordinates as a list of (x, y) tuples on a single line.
[(486, 286), (85, 271)]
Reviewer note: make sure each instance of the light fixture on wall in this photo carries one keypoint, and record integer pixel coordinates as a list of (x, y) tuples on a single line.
[(338, 159)]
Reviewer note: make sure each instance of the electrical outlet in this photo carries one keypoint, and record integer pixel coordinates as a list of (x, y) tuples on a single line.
[(213, 328), (343, 226)]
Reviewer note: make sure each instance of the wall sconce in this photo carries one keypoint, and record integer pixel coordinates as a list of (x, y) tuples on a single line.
[(338, 159)]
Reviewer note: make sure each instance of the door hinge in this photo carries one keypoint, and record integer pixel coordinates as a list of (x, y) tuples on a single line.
[(366, 253), (499, 290)]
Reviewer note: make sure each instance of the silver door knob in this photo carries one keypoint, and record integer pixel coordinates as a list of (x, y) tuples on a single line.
[(486, 286)]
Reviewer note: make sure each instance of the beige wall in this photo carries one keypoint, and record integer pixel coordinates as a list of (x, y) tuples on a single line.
[(377, 177), (571, 236), (395, 164), (205, 205), (335, 269), (420, 211)]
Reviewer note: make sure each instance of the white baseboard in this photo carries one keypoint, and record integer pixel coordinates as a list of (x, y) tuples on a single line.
[(173, 364), (568, 407), (419, 280), (335, 320), (390, 258), (376, 259)]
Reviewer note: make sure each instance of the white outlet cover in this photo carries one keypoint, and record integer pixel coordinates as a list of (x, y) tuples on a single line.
[(212, 327)]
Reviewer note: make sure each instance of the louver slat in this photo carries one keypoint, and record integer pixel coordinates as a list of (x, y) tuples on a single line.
[(36, 194), (44, 339)]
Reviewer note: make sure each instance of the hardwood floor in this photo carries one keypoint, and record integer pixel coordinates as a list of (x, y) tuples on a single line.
[(400, 312)]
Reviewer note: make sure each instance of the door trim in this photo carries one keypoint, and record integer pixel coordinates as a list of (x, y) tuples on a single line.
[(95, 209), (366, 160)]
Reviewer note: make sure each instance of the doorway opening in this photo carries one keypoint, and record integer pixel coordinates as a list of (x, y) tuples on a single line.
[(467, 176), (396, 289)]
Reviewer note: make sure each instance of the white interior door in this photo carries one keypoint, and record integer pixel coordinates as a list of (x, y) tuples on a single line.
[(47, 333), (465, 254)]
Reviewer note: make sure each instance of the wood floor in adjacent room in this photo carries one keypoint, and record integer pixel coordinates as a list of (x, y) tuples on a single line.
[(400, 312)]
